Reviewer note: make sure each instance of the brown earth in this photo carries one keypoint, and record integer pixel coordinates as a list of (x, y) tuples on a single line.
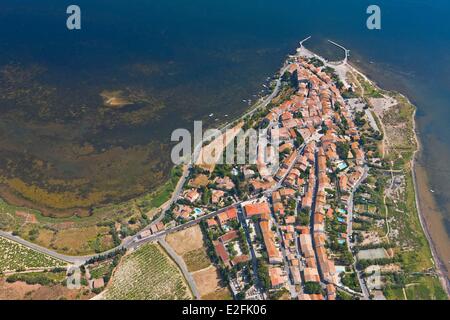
[(22, 291), (207, 280), (186, 240)]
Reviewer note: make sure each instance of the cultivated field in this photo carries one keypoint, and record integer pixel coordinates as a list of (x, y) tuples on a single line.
[(190, 246), (149, 274), (14, 256)]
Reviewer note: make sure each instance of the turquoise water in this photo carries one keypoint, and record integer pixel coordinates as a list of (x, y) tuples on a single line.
[(203, 57)]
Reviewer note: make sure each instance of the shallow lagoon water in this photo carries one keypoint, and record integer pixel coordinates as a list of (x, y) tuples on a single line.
[(177, 61)]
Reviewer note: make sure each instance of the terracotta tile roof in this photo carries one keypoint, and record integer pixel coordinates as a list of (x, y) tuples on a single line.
[(230, 214), (256, 209), (222, 252), (229, 236)]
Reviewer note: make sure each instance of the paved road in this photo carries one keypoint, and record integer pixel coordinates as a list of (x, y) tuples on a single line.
[(291, 285), (70, 259), (350, 204), (135, 241), (180, 262), (244, 224), (303, 41), (176, 193)]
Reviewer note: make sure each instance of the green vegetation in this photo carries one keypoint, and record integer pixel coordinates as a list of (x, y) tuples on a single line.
[(42, 278), (196, 259), (313, 288), (99, 271), (425, 288), (15, 256), (341, 295), (411, 248), (263, 274), (82, 235), (350, 280), (369, 90), (147, 273), (162, 194), (316, 62), (342, 149)]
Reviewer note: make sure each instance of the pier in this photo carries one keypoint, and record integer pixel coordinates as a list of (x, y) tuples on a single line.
[(347, 52), (304, 40)]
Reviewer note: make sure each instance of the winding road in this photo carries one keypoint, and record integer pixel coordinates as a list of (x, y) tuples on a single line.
[(135, 241)]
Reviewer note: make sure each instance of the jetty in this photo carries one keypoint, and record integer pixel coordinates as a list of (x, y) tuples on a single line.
[(347, 52)]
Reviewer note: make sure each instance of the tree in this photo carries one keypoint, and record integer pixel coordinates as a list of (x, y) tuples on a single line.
[(293, 80), (342, 149), (298, 141), (206, 196), (263, 274), (313, 288), (240, 296)]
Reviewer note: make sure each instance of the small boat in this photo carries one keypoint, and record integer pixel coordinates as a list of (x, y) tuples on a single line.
[(432, 190), (211, 114)]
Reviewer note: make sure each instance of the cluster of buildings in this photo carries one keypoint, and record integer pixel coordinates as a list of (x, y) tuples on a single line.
[(328, 165), (227, 246), (193, 202), (152, 229), (285, 212)]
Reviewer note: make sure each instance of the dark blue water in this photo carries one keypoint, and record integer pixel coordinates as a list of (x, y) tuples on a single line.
[(204, 57)]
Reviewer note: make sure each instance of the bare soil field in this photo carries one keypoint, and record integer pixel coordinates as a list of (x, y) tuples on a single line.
[(196, 259), (221, 294), (22, 291), (186, 240), (207, 280)]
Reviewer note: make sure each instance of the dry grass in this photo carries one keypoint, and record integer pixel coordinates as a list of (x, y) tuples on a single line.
[(207, 280), (200, 181), (196, 259), (75, 241), (211, 153), (186, 240), (221, 294), (16, 290), (45, 238)]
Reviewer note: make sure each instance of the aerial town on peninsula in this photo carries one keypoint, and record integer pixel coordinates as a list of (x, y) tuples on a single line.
[(334, 220), (295, 234), (311, 231)]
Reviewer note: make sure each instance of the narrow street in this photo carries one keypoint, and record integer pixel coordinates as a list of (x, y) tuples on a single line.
[(244, 225), (350, 204)]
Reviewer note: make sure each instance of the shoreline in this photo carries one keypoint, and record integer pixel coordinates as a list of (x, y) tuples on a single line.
[(440, 265), (437, 261)]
